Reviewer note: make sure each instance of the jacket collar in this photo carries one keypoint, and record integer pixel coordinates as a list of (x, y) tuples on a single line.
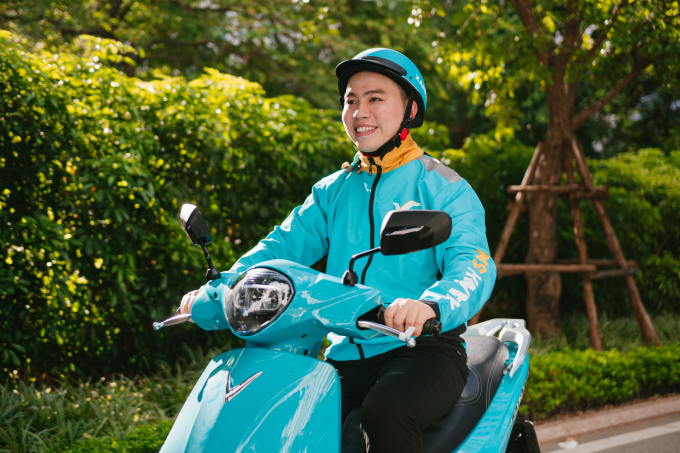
[(407, 152)]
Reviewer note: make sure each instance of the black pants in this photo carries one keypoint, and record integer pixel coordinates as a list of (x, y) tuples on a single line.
[(403, 391)]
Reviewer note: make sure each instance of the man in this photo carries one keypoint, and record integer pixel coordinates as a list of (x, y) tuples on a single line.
[(400, 391)]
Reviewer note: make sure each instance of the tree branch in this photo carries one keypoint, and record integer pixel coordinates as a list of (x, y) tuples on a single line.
[(115, 6), (183, 6), (581, 116), (198, 43), (169, 57), (572, 36), (193, 11), (100, 32), (600, 39), (467, 22), (526, 15), (9, 16), (125, 10)]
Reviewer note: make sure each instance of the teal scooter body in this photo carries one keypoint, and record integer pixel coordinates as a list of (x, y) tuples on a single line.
[(275, 396), (294, 402), (286, 408)]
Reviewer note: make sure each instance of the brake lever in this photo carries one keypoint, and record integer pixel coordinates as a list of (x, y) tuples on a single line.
[(172, 321), (403, 336)]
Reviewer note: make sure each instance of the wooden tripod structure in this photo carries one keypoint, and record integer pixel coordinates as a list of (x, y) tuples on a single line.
[(588, 268)]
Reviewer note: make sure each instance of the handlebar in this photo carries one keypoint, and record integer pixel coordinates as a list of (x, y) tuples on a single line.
[(431, 326)]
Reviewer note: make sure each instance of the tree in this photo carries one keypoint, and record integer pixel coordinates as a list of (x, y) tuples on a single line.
[(580, 54), (289, 47)]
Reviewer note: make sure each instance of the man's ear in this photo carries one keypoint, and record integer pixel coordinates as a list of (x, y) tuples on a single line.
[(414, 109)]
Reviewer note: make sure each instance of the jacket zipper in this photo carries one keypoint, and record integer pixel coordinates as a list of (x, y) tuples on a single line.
[(371, 222)]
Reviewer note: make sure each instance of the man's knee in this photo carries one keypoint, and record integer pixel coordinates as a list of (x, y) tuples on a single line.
[(387, 412)]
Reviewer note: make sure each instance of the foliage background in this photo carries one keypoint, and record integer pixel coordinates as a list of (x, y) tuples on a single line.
[(114, 113), (97, 165)]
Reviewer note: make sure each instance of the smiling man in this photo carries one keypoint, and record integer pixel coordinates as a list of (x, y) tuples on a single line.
[(400, 391)]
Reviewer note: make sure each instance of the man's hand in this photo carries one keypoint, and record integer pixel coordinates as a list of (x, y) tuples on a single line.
[(404, 313), (188, 302)]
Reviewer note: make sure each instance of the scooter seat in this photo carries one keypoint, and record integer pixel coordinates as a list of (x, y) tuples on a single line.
[(486, 359)]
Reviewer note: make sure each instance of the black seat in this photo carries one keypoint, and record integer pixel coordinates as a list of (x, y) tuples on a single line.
[(486, 360)]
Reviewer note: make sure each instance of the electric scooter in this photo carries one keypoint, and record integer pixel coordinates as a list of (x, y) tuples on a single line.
[(274, 395)]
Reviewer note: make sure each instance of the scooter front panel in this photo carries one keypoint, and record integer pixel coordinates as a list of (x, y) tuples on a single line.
[(292, 406)]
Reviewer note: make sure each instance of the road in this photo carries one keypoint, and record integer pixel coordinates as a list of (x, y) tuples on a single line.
[(657, 435)]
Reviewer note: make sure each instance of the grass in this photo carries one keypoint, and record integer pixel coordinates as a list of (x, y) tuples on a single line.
[(46, 419), (42, 419)]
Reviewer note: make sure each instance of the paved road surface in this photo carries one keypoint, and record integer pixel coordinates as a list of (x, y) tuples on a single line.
[(658, 435)]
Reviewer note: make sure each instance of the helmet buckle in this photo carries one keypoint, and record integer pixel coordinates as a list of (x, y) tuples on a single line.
[(403, 134)]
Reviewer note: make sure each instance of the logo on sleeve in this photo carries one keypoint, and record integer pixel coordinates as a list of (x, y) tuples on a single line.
[(484, 258), (470, 282)]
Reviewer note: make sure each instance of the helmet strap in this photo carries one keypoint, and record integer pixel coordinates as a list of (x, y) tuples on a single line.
[(402, 133)]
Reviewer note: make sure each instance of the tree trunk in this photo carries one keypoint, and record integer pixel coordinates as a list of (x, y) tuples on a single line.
[(544, 289)]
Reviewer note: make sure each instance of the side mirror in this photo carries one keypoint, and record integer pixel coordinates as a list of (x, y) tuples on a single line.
[(411, 231), (194, 225), (197, 231), (405, 232)]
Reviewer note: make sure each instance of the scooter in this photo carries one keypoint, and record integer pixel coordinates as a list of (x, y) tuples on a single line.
[(275, 396)]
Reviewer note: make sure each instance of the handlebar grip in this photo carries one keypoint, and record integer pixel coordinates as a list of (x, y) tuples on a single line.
[(431, 326)]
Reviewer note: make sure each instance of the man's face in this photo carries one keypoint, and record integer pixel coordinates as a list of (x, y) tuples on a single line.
[(373, 110)]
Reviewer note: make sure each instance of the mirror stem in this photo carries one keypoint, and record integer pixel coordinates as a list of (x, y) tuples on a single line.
[(212, 274), (350, 277)]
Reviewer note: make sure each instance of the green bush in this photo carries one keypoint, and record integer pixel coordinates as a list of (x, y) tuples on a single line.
[(577, 380), (95, 166), (645, 211), (143, 439)]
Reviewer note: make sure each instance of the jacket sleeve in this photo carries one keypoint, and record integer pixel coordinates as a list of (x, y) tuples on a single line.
[(301, 238), (468, 272)]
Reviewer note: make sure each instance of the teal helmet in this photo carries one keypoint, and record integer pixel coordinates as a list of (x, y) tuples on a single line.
[(392, 64)]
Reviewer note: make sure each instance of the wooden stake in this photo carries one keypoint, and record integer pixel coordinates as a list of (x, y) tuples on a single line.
[(588, 295), (599, 263), (564, 188), (519, 199), (646, 327), (514, 215), (614, 273), (540, 267)]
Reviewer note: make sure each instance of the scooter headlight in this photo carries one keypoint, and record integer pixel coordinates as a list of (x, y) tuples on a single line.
[(256, 299)]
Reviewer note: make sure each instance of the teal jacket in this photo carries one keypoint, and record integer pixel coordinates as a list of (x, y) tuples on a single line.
[(343, 216)]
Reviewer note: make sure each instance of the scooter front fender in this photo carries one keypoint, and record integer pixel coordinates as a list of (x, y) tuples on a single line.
[(292, 406)]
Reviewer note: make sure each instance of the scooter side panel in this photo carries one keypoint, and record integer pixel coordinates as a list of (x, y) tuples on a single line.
[(492, 433), (293, 406)]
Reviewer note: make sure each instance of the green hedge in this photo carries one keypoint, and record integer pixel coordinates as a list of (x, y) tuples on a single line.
[(95, 166), (142, 439), (579, 380)]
